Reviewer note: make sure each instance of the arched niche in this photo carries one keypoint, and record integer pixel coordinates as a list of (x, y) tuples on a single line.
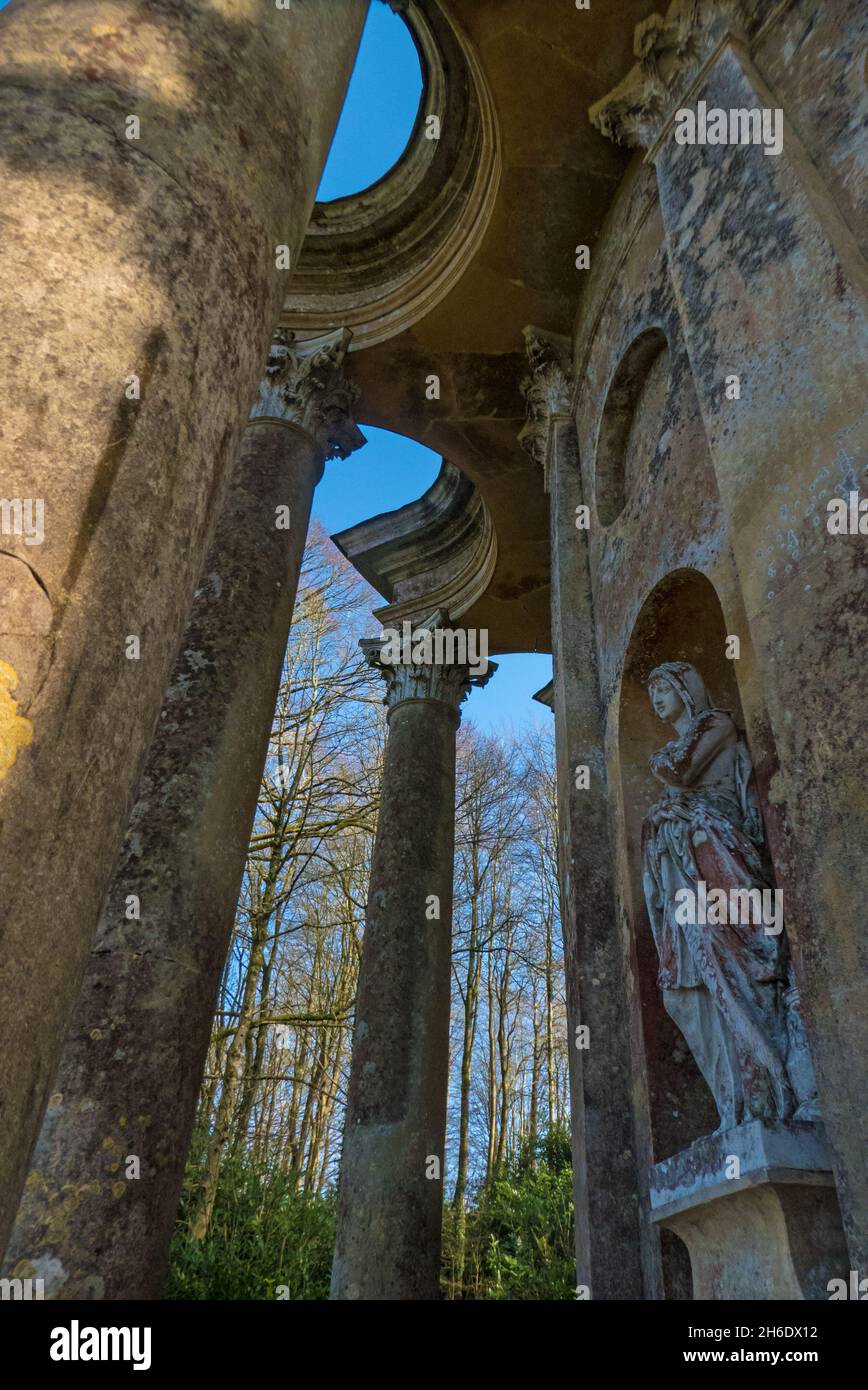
[(681, 620), (631, 422)]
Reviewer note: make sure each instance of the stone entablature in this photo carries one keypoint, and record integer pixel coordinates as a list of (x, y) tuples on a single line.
[(438, 552), (305, 385)]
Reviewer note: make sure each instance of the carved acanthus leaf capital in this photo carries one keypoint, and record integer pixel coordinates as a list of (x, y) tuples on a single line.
[(670, 52), (547, 392), (305, 384), (416, 662)]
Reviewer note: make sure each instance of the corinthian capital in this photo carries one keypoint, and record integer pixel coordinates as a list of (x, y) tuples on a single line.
[(305, 384), (546, 391), (671, 53), (429, 660)]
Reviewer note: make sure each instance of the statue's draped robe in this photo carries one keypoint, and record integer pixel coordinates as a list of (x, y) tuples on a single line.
[(722, 984)]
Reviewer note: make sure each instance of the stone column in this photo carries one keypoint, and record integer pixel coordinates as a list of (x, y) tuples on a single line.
[(391, 1182), (157, 157), (615, 1255), (135, 1051), (770, 287)]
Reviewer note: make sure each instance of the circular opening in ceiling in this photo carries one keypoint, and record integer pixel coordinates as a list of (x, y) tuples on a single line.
[(381, 107), (631, 423)]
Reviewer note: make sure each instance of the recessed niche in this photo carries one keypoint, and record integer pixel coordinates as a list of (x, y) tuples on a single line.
[(681, 620), (631, 423)]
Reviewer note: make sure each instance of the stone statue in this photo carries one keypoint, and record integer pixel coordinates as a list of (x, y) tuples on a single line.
[(725, 971)]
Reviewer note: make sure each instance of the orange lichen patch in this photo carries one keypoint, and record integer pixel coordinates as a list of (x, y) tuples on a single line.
[(15, 731)]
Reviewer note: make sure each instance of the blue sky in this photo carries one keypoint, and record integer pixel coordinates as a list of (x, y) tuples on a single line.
[(380, 107)]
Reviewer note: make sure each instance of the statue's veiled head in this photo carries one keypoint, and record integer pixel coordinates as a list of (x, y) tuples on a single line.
[(676, 687)]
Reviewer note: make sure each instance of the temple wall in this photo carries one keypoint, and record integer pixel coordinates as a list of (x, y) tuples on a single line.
[(672, 524), (681, 555)]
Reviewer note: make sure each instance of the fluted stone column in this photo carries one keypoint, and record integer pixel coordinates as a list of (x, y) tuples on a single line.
[(391, 1181), (156, 158), (136, 1048)]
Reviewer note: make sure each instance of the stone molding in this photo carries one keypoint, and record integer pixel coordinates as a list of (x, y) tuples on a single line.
[(767, 1151), (445, 683), (547, 392), (546, 696), (382, 259), (671, 53), (305, 385), (438, 552)]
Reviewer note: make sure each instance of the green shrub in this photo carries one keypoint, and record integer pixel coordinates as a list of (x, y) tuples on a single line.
[(263, 1234), (518, 1234), (519, 1240)]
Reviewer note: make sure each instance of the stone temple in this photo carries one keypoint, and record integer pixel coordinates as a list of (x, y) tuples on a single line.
[(637, 338)]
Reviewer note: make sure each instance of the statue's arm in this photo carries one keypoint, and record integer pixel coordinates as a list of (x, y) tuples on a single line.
[(681, 763)]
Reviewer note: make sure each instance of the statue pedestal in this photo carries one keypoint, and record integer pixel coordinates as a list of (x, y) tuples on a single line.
[(757, 1209)]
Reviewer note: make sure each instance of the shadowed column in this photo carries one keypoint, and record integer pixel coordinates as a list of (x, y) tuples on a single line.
[(135, 1053), (615, 1252), (155, 159), (391, 1183)]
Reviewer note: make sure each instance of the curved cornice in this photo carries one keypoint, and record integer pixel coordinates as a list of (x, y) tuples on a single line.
[(380, 260), (437, 552)]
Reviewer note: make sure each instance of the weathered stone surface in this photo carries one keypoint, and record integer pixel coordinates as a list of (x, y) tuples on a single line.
[(614, 1258), (152, 258), (724, 964), (752, 270), (785, 307), (135, 1052), (391, 1181), (558, 177), (706, 513), (756, 1207), (132, 1063), (548, 391), (437, 552)]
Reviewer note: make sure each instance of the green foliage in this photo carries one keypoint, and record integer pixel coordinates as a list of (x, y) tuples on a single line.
[(518, 1236), (264, 1234)]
